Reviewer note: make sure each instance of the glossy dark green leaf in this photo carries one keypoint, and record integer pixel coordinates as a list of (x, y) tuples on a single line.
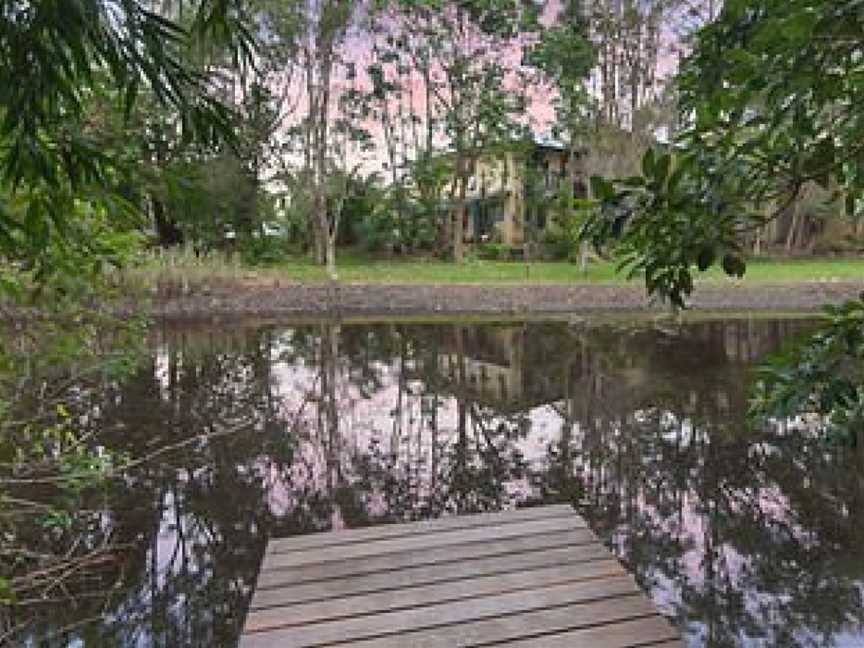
[(706, 257), (734, 265)]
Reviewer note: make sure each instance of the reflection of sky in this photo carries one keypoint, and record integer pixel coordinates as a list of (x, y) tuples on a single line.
[(692, 528), (366, 421), (373, 420)]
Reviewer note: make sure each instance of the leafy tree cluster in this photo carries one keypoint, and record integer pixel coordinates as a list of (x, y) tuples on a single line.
[(770, 105), (70, 74), (61, 61)]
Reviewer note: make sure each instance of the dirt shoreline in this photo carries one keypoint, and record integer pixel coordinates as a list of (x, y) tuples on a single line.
[(286, 301)]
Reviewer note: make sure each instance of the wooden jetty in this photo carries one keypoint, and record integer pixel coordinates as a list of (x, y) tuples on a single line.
[(535, 577)]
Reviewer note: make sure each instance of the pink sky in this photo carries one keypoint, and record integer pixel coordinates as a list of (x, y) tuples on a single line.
[(358, 51)]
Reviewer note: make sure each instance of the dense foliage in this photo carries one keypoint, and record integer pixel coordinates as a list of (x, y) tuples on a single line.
[(74, 80), (770, 105), (823, 379), (56, 176)]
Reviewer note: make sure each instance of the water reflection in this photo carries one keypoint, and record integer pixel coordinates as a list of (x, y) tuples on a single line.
[(745, 538)]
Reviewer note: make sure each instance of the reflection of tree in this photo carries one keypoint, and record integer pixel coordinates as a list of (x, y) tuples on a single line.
[(354, 425), (438, 448), (745, 534), (194, 522)]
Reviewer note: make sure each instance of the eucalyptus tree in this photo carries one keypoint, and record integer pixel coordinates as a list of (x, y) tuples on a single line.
[(391, 106), (327, 132), (628, 37), (567, 57), (399, 105), (469, 60), (401, 79), (770, 101)]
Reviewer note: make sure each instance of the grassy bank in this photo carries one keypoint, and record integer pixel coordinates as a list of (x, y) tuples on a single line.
[(184, 267)]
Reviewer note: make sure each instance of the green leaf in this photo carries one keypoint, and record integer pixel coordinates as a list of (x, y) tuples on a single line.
[(662, 164), (602, 189), (734, 265), (648, 163), (7, 596), (799, 26), (820, 163), (706, 257)]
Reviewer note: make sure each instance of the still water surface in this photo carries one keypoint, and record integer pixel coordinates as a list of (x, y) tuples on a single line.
[(744, 537)]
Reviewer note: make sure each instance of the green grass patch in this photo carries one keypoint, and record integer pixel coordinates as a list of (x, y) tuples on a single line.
[(363, 269), (354, 268), (802, 269), (185, 267)]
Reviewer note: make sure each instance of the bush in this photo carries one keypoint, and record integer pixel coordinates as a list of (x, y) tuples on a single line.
[(263, 250), (383, 230), (560, 243), (376, 231), (493, 251)]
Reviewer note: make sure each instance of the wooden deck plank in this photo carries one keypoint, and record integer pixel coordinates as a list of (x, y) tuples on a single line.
[(635, 633), (432, 616), (422, 542), (533, 577), (453, 522), (424, 595), (518, 626), (410, 576), (273, 576)]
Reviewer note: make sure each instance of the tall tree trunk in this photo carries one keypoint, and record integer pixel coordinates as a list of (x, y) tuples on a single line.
[(166, 229), (460, 214), (330, 256), (791, 236)]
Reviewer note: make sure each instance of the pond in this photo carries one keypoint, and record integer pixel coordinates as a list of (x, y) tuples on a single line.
[(743, 535)]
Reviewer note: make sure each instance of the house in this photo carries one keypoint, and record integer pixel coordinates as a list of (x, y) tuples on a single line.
[(499, 366), (510, 191)]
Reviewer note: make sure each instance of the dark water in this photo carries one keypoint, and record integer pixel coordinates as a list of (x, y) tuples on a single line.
[(743, 537)]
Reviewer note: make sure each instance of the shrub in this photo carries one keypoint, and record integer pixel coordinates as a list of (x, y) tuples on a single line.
[(493, 251), (263, 250), (560, 243)]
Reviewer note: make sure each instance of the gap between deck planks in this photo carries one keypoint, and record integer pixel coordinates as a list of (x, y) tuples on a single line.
[(531, 577)]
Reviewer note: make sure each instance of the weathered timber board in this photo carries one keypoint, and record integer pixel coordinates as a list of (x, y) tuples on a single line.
[(531, 577)]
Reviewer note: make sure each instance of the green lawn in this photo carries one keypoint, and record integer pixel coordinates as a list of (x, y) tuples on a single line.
[(355, 268), (360, 269)]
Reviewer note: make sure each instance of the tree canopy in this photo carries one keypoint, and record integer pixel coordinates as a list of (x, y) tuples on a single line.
[(769, 101), (58, 58)]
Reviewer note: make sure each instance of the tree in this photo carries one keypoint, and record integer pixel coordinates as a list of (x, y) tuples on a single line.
[(567, 57), (328, 127), (770, 103), (196, 192), (68, 51), (627, 36), (63, 201), (468, 56)]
